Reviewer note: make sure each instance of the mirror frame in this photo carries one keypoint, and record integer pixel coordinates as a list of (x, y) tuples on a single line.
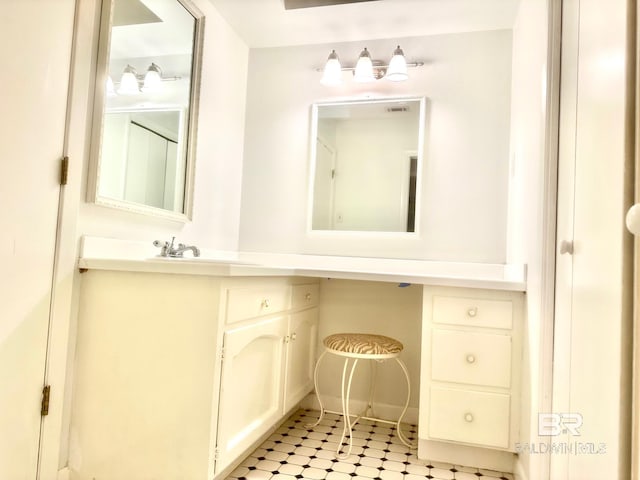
[(99, 110), (312, 169)]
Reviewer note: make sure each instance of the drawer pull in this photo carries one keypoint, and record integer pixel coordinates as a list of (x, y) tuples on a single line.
[(472, 312), (307, 297), (471, 359), (468, 417), (265, 303)]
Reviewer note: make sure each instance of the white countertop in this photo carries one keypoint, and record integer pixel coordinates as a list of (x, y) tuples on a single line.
[(109, 254)]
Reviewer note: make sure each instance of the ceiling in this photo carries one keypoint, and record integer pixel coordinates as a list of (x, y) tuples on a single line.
[(266, 23)]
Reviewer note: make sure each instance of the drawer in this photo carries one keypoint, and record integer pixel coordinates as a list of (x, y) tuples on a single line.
[(473, 312), (472, 358), (478, 418), (305, 295), (243, 303)]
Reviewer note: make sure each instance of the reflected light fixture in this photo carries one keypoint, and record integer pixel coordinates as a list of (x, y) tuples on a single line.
[(152, 79), (111, 89), (366, 69), (133, 84), (128, 82), (332, 73)]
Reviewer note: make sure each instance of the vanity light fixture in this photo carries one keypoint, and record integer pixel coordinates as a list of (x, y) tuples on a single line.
[(366, 69)]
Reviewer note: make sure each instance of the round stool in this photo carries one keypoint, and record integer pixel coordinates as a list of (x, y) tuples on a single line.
[(360, 346)]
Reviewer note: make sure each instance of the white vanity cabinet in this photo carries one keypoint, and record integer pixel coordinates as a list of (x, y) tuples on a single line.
[(470, 374), (267, 358), (174, 370)]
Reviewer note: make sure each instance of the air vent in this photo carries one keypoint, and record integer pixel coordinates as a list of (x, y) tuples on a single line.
[(397, 109), (293, 4)]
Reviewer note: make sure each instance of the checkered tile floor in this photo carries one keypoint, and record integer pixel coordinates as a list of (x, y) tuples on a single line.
[(294, 453)]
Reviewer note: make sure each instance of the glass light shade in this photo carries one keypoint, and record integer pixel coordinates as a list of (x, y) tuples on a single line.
[(364, 68), (128, 82), (111, 89), (397, 71), (152, 79), (332, 73)]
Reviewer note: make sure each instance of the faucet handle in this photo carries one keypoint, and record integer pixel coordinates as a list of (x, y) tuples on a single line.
[(159, 243)]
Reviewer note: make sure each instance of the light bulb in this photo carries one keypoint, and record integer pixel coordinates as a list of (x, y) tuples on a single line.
[(111, 90), (397, 71), (364, 68), (152, 79), (332, 73), (128, 82)]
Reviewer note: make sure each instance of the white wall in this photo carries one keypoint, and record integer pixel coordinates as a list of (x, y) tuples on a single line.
[(466, 80), (383, 309)]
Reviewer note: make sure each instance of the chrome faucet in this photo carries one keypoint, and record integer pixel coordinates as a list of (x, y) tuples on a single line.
[(168, 250)]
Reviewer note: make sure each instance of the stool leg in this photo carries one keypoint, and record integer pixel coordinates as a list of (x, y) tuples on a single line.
[(372, 389), (317, 390), (401, 436), (348, 427)]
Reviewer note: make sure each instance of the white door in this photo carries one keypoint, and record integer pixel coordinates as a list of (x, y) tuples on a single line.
[(251, 386), (35, 39), (300, 356)]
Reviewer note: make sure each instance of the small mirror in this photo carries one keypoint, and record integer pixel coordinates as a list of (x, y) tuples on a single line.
[(146, 106), (365, 166)]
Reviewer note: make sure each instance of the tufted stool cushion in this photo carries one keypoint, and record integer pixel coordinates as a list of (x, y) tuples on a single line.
[(363, 344)]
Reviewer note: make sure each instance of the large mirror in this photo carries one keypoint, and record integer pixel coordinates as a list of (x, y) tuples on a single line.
[(146, 106), (366, 159)]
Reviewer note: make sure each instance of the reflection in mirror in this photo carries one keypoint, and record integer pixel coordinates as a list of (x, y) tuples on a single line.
[(366, 162), (146, 107)]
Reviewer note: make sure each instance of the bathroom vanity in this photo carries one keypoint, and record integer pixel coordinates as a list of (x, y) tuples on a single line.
[(185, 365)]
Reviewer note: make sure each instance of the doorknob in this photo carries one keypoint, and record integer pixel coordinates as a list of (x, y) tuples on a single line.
[(633, 219)]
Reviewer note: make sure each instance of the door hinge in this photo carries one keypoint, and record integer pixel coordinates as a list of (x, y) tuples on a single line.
[(216, 454), (64, 171), (333, 173), (222, 353), (44, 408)]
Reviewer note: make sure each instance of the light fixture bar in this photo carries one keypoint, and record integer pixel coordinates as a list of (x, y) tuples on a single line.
[(376, 64)]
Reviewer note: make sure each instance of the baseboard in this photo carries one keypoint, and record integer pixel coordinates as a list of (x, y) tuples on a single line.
[(64, 474), (519, 472), (381, 410), (468, 456)]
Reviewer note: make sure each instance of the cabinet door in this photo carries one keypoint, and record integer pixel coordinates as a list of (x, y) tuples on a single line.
[(300, 356), (251, 386)]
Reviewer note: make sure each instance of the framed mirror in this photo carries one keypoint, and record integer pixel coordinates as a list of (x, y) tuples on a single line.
[(366, 164), (145, 108)]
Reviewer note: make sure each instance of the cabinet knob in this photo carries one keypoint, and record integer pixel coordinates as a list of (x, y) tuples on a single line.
[(472, 312), (468, 417), (307, 297), (265, 303), (471, 358)]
